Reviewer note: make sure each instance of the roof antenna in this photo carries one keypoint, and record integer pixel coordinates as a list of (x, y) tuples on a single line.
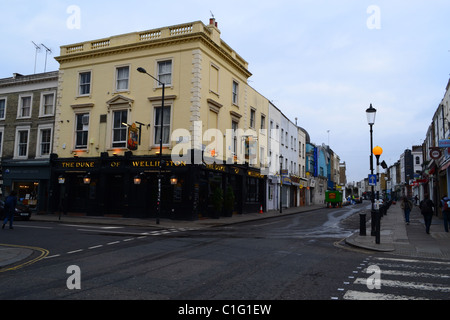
[(212, 15), (35, 55), (47, 50)]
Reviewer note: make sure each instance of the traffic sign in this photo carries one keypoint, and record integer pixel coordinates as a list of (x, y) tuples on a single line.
[(372, 180)]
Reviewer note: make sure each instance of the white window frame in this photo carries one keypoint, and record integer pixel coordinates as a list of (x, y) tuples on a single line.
[(20, 106), (16, 144), (79, 83), (6, 103), (253, 118), (211, 78), (41, 128), (75, 147), (42, 104), (156, 144), (113, 111), (116, 78), (158, 75), (235, 94)]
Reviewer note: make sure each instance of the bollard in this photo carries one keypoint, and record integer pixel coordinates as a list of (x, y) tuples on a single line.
[(362, 224), (373, 218), (378, 226)]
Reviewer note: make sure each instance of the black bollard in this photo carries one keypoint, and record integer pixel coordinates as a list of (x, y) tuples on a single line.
[(378, 226), (362, 224)]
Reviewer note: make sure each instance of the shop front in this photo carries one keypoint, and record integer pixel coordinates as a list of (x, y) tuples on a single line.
[(30, 179)]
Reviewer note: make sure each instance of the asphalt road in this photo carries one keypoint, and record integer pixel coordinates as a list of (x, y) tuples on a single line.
[(297, 257)]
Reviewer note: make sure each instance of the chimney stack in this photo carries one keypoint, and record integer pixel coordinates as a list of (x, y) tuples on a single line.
[(212, 22)]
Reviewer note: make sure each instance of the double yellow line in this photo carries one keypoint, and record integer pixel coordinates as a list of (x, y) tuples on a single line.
[(43, 254)]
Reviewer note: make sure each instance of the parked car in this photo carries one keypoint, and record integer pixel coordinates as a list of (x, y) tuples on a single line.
[(23, 212)]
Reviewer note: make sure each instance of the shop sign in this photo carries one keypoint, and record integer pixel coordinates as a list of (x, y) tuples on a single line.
[(133, 137), (155, 164), (255, 174), (78, 164), (216, 167), (286, 180), (444, 143)]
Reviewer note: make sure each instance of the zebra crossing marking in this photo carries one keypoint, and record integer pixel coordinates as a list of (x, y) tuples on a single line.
[(410, 264)]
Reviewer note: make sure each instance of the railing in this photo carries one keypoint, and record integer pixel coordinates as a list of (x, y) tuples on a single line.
[(100, 44), (179, 30), (150, 35)]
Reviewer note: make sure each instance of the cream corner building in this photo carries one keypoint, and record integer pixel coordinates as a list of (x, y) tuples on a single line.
[(207, 101)]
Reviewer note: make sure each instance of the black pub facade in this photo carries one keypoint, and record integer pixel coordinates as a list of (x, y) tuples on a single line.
[(127, 186)]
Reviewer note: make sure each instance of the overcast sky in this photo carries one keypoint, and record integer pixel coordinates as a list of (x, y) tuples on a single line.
[(323, 62)]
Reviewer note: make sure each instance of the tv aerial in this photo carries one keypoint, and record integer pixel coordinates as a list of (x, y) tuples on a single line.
[(35, 55), (47, 51)]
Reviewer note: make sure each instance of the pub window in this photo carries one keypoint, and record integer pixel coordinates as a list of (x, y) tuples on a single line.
[(253, 190), (85, 83), (235, 93), (165, 72), (82, 130), (122, 78), (252, 118), (214, 79), (165, 126), (234, 127), (119, 133)]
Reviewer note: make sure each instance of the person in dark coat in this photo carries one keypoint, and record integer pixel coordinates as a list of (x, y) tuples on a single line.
[(10, 208), (426, 208)]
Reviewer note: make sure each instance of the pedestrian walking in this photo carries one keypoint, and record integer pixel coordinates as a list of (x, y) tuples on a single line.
[(445, 204), (426, 208), (406, 205), (10, 208)]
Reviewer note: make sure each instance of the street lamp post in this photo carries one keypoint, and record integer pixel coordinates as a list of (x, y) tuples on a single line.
[(142, 70), (371, 114), (377, 151)]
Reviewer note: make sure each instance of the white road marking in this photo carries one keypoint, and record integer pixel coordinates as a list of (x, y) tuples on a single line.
[(408, 285), (359, 295)]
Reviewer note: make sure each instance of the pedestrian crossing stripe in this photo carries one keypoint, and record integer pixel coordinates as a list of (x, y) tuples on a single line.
[(361, 295), (408, 285)]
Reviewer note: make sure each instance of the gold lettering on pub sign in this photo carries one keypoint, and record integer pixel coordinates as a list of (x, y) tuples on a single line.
[(154, 163), (76, 165)]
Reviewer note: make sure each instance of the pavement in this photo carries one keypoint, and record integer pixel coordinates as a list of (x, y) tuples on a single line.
[(395, 237), (403, 239)]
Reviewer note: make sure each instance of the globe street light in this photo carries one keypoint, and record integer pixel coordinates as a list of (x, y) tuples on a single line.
[(371, 114), (142, 70)]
